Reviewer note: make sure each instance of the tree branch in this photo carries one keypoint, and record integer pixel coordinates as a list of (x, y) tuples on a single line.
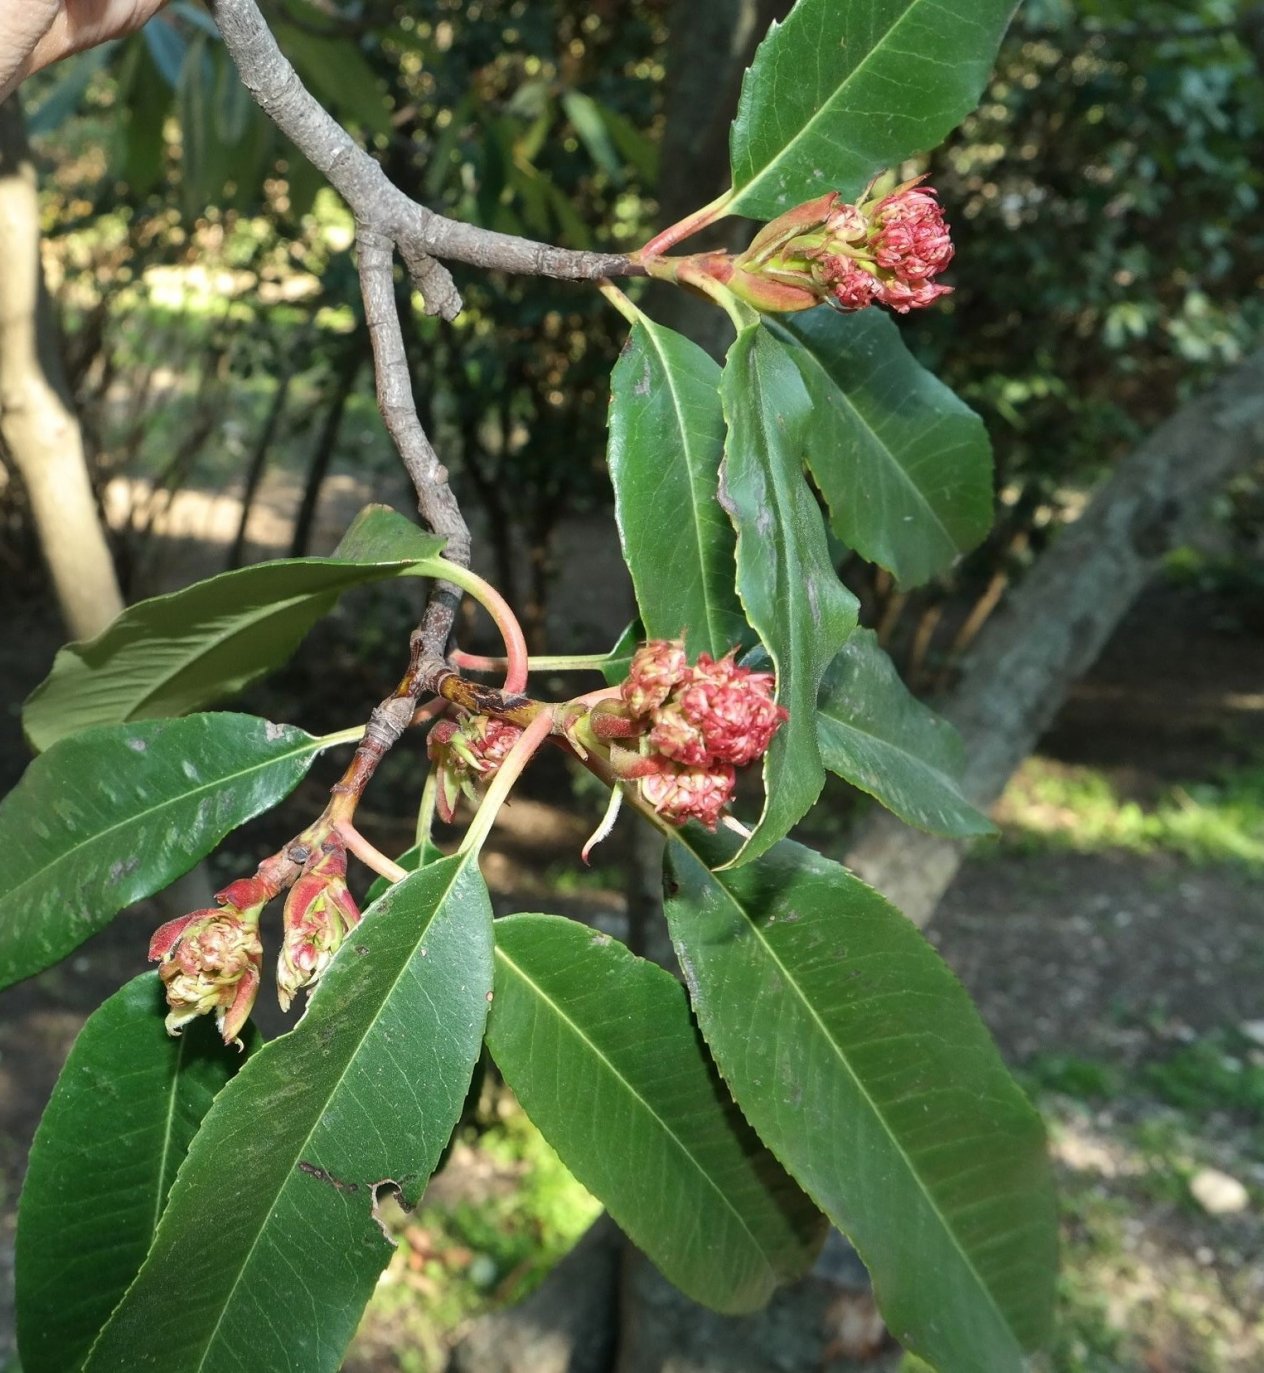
[(419, 233)]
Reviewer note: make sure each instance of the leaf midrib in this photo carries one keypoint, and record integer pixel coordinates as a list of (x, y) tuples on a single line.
[(766, 170), (312, 745), (637, 1097), (458, 871), (792, 981)]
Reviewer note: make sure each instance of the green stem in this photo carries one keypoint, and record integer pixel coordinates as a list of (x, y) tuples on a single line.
[(426, 810), (619, 300), (342, 736)]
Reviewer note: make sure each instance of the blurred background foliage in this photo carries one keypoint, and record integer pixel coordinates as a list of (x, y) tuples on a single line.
[(1105, 201)]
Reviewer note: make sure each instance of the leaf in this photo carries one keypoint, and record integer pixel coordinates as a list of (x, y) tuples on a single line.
[(125, 1109), (410, 860), (168, 47), (585, 116), (177, 653), (861, 1062), (789, 589), (845, 88), (905, 467), (336, 72), (269, 1246), (666, 443), (876, 735), (64, 95), (579, 1019), (115, 814)]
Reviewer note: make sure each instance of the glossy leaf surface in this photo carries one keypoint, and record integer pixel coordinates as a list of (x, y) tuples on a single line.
[(905, 466), (177, 653), (579, 1019), (860, 1060), (878, 736), (666, 444), (844, 88), (788, 586), (125, 1109), (115, 814), (268, 1248)]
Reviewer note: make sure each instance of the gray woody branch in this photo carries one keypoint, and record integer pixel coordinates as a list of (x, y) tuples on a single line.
[(387, 219)]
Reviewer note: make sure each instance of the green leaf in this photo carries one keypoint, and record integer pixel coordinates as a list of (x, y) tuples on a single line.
[(789, 589), (336, 72), (905, 467), (845, 88), (410, 860), (180, 652), (860, 1060), (117, 813), (879, 737), (269, 1247), (666, 443), (125, 1109), (585, 116), (579, 1019)]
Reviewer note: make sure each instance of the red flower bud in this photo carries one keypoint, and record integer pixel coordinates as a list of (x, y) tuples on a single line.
[(319, 913), (679, 794), (657, 668)]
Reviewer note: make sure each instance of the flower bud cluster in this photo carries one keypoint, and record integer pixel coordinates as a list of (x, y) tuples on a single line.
[(696, 726), (883, 250), (211, 960), (467, 754)]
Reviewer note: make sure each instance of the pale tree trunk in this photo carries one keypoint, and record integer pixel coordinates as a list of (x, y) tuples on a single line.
[(41, 435), (1050, 631), (38, 425)]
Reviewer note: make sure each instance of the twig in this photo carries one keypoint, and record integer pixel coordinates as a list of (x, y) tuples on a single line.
[(419, 233)]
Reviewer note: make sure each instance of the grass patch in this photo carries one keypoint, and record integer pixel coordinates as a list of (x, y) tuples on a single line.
[(1077, 808)]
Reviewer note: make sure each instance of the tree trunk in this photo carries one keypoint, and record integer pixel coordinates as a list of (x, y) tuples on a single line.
[(37, 420), (1050, 631)]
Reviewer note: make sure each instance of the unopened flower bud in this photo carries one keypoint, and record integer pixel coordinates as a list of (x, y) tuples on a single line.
[(878, 251), (657, 668), (319, 913), (679, 793), (731, 708)]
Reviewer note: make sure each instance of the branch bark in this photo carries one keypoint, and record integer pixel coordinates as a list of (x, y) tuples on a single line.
[(1051, 629), (421, 235)]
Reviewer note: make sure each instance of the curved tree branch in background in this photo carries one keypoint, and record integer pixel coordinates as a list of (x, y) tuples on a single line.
[(38, 424), (1050, 631)]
